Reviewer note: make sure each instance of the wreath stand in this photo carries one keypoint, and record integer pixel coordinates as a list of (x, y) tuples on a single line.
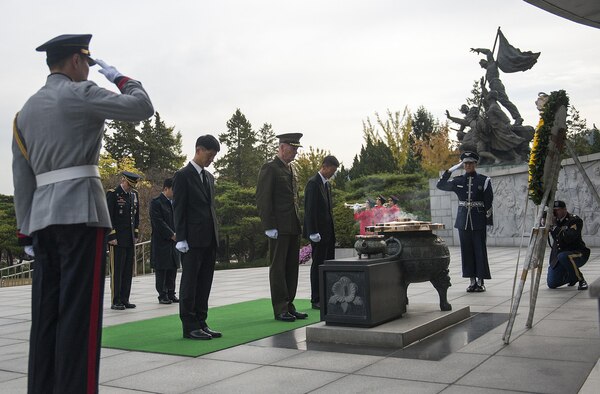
[(534, 260)]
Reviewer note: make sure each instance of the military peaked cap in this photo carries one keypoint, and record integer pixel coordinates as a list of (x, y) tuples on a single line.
[(559, 204), (131, 178), (67, 44), (292, 139), (467, 157)]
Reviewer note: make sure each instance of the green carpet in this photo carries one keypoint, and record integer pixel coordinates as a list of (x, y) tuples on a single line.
[(239, 323)]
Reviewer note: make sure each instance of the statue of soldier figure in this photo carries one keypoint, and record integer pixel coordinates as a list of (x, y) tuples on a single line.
[(490, 132), (492, 75)]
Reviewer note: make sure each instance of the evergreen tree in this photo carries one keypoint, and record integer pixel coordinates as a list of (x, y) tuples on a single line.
[(375, 158), (242, 161), (423, 124), (122, 139), (475, 99), (267, 143), (583, 140), (9, 247), (162, 146), (155, 147)]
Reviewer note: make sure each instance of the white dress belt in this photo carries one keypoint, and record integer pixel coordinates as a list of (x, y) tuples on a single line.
[(68, 173)]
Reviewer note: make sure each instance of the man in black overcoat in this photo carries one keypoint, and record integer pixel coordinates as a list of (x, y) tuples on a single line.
[(164, 258)]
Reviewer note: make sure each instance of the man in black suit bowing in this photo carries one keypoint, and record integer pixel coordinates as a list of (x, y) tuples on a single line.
[(163, 256), (318, 222), (197, 237)]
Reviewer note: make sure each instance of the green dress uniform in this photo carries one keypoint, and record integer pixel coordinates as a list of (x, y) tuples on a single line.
[(277, 202)]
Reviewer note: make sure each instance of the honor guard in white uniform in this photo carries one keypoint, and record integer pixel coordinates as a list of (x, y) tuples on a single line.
[(475, 197), (61, 210)]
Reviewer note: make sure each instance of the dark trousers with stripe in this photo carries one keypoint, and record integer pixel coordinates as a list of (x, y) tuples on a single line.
[(473, 251), (66, 310), (198, 268), (121, 274), (567, 269), (283, 272)]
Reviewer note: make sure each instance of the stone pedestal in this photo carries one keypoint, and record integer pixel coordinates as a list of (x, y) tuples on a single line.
[(420, 321), (362, 293)]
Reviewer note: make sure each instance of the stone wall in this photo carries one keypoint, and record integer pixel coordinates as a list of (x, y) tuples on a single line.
[(513, 212)]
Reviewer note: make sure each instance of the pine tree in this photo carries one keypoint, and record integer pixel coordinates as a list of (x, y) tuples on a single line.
[(153, 148), (241, 162), (267, 143)]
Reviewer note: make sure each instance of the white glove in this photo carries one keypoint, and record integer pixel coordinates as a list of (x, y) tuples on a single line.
[(182, 246), (316, 237), (455, 167), (109, 72), (29, 250), (273, 233)]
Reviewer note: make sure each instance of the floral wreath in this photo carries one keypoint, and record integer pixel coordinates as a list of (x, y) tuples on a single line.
[(541, 138)]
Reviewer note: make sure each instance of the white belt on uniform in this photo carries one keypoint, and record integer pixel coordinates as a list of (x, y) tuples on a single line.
[(68, 173), (470, 204)]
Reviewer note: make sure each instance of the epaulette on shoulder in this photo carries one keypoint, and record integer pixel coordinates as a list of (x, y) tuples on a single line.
[(110, 191)]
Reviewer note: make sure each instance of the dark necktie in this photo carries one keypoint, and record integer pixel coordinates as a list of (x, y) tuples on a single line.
[(205, 182), (328, 192)]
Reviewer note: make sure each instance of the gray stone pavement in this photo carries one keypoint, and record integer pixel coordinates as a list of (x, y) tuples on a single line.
[(559, 354)]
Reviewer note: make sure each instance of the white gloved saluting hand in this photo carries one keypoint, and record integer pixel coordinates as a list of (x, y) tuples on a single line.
[(455, 167), (110, 72)]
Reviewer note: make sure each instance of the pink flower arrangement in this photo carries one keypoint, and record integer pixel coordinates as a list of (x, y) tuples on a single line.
[(305, 253)]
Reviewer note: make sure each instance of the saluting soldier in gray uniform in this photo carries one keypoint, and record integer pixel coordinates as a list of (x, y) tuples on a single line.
[(277, 202), (61, 210), (124, 209), (475, 197)]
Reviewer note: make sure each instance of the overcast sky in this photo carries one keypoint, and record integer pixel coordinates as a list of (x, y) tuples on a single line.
[(315, 67)]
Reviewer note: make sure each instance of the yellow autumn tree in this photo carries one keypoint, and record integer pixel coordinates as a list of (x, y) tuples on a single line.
[(438, 153)]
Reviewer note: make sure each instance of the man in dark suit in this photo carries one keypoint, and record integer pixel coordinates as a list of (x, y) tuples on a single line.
[(164, 258), (197, 237), (318, 222), (124, 209), (277, 203)]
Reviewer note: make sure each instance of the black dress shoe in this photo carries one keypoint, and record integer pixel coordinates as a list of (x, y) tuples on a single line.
[(197, 334), (128, 305), (118, 307), (285, 316), (299, 315), (582, 285), (212, 333), (316, 305), (174, 299), (471, 288), (165, 301)]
